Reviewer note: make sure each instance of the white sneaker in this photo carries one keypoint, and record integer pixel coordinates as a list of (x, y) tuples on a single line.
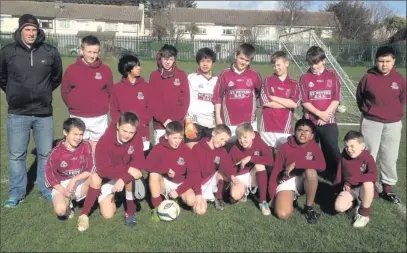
[(83, 222), (356, 212), (265, 209), (361, 221)]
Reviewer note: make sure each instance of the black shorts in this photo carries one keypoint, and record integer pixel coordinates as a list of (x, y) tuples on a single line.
[(202, 132)]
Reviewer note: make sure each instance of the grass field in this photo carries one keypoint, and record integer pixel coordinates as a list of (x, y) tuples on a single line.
[(33, 226)]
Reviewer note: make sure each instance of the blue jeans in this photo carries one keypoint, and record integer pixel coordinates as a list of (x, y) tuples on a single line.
[(18, 137)]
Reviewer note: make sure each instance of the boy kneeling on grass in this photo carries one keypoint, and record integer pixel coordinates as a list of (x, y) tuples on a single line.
[(68, 168), (295, 171), (357, 173), (173, 169)]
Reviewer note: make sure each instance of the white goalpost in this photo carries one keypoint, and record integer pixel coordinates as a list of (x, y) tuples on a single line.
[(348, 112)]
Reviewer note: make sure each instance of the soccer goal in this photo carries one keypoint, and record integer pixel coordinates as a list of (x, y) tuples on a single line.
[(348, 112)]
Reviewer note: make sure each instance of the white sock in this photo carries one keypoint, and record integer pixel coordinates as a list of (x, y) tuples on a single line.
[(129, 195)]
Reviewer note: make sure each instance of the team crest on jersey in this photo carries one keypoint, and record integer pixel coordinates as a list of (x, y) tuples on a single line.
[(329, 83), (181, 161), (64, 164), (309, 156), (217, 160), (231, 84), (311, 84), (177, 82), (130, 150), (98, 75), (394, 86), (249, 82), (140, 95), (363, 167), (256, 153)]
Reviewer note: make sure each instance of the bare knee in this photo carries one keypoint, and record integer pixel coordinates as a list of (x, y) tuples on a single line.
[(340, 207), (60, 210), (154, 177), (108, 214), (95, 181), (259, 167), (190, 199), (368, 186), (200, 211), (283, 214), (236, 194), (311, 175)]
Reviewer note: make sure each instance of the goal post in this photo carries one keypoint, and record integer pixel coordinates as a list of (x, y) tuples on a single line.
[(348, 112)]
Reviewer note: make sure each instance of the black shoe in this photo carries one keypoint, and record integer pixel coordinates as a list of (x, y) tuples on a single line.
[(391, 197), (219, 204), (311, 215)]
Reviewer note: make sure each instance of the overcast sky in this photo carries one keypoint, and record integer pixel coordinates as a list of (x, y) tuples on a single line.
[(398, 7)]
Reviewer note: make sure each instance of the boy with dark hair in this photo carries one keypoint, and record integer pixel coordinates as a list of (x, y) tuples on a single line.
[(87, 87), (236, 92), (173, 169), (381, 98), (119, 159), (320, 93), (250, 155), (295, 172), (356, 175), (132, 94), (279, 98), (170, 91), (200, 120), (214, 162), (68, 168)]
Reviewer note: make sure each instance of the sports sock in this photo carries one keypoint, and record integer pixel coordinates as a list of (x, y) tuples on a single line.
[(156, 201), (131, 206), (90, 199), (219, 193), (365, 211), (261, 178)]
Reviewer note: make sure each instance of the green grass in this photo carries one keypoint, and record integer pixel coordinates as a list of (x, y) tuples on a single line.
[(33, 226)]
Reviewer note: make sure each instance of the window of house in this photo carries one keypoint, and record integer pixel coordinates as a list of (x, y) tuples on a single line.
[(46, 23), (201, 30), (244, 32), (64, 23), (112, 27), (228, 31)]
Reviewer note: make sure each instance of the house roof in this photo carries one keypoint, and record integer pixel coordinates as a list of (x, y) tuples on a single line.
[(251, 17), (72, 11)]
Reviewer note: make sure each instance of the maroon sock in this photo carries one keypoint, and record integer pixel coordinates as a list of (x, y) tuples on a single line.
[(90, 199), (156, 201), (219, 193), (365, 211), (386, 188), (131, 207), (261, 177)]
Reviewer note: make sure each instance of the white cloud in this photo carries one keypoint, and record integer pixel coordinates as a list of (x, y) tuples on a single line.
[(247, 5)]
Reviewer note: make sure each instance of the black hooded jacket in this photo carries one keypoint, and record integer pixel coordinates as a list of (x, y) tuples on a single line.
[(29, 75)]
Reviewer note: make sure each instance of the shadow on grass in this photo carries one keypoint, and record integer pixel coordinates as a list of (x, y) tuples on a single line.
[(325, 198)]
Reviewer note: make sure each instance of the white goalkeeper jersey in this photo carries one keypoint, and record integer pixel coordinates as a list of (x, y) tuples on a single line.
[(201, 108)]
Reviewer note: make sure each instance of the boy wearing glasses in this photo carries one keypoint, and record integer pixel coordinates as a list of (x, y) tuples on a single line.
[(295, 172)]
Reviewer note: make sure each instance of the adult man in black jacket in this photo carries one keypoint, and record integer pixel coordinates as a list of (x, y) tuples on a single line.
[(29, 71)]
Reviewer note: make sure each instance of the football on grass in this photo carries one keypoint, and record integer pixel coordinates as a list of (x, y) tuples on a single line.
[(168, 210)]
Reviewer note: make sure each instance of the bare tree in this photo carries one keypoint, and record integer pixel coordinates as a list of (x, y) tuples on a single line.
[(249, 33), (290, 12)]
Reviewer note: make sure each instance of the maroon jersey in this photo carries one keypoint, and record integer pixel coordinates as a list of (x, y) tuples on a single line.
[(320, 90), (278, 120), (211, 160), (163, 157), (63, 164), (308, 156), (355, 171), (113, 159), (170, 97), (382, 98), (133, 97), (259, 151), (86, 89), (237, 93)]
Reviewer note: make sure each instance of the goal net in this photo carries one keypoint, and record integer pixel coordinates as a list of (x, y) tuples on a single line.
[(348, 112)]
